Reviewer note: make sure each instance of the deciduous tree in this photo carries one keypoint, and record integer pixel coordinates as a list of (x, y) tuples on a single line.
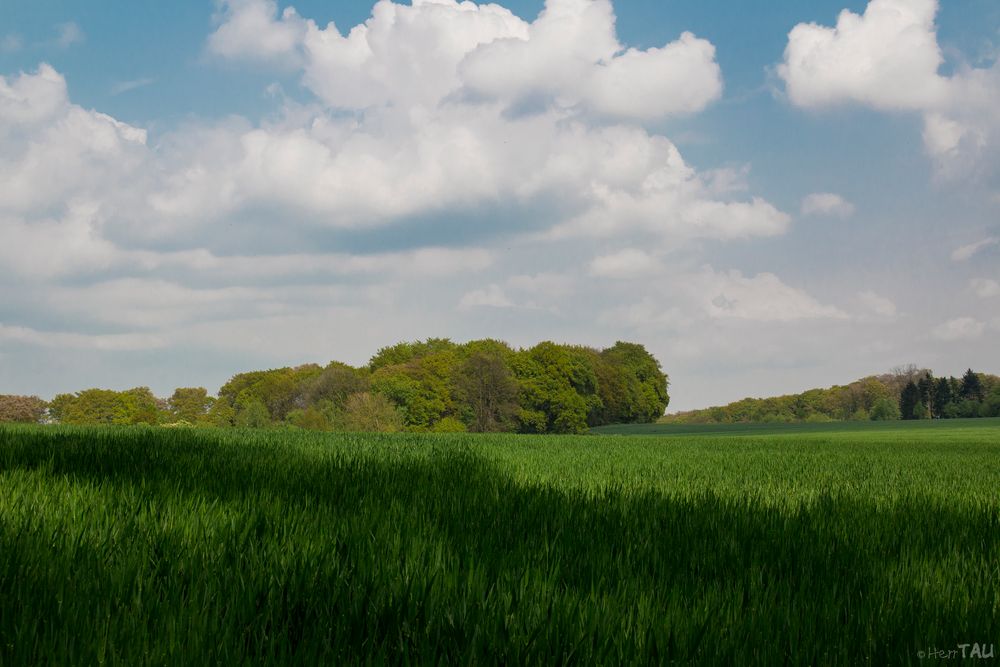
[(372, 413), (23, 409), (190, 404), (487, 388)]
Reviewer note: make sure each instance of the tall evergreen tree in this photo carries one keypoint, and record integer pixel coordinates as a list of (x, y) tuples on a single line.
[(942, 396), (972, 387), (926, 387), (908, 401)]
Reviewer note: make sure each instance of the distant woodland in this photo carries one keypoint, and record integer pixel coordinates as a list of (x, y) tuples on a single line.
[(434, 385), (904, 393)]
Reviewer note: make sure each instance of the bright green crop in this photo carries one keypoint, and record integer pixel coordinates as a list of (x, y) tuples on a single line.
[(180, 546)]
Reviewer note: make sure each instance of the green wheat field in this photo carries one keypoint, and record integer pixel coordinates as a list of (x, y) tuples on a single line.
[(835, 545)]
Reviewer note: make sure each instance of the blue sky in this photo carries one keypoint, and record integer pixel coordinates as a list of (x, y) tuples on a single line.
[(788, 197)]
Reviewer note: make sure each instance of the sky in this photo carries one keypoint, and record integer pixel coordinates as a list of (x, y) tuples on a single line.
[(769, 196)]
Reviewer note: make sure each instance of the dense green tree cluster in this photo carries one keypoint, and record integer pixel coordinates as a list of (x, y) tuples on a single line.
[(104, 406), (905, 393), (439, 385), (974, 395), (433, 385)]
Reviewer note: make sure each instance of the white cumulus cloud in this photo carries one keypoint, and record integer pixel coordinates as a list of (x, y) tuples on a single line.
[(888, 58), (828, 204), (420, 54), (444, 158), (252, 29)]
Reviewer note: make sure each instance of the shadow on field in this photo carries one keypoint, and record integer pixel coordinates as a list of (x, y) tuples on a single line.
[(630, 575)]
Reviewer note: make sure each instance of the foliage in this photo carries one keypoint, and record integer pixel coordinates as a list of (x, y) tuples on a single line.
[(885, 409), (23, 409), (374, 413), (991, 406), (187, 546), (915, 392), (105, 406), (432, 386), (972, 386), (279, 390), (333, 385), (642, 384), (422, 387), (943, 396), (190, 404), (487, 388), (402, 353), (251, 412), (558, 389), (450, 425), (909, 401), (222, 414), (310, 419)]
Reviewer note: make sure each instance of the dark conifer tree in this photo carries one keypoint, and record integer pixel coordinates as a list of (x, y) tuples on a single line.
[(972, 387), (942, 397), (926, 387), (908, 401)]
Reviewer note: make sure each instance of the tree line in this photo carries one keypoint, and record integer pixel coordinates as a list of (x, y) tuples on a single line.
[(906, 392), (434, 385)]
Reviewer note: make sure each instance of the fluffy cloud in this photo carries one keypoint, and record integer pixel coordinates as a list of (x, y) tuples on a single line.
[(418, 55), (959, 329), (315, 216), (985, 287), (406, 55), (827, 203), (31, 99), (61, 167), (251, 29), (55, 150), (78, 184), (888, 58), (447, 124), (571, 58), (711, 295), (763, 297)]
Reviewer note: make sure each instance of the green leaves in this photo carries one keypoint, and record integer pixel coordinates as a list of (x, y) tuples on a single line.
[(430, 386)]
